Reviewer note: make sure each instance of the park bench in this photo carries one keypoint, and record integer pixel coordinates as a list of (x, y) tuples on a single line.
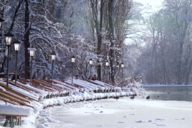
[(74, 85), (49, 84), (22, 87), (38, 84), (14, 100), (66, 85), (12, 115), (16, 92)]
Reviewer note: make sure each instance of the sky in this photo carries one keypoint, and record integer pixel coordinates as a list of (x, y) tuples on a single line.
[(150, 6), (154, 4)]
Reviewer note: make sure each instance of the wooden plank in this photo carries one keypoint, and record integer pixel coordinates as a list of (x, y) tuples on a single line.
[(13, 99), (75, 85), (17, 96), (46, 83), (65, 84), (38, 83), (8, 100), (22, 87), (13, 91)]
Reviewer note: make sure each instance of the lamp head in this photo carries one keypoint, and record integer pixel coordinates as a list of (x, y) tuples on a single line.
[(8, 38), (91, 62), (53, 56), (107, 63), (17, 45), (122, 65), (73, 59), (32, 52)]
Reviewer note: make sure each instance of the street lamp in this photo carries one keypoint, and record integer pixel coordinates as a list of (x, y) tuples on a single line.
[(122, 66), (8, 41), (31, 54), (1, 22), (53, 57), (17, 48), (90, 63), (107, 65), (117, 65), (72, 61)]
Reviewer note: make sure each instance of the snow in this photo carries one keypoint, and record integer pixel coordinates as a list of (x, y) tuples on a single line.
[(102, 83), (13, 110), (42, 92), (65, 84), (122, 113), (74, 96), (83, 84), (21, 91)]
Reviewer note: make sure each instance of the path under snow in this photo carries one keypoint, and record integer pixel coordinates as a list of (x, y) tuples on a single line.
[(122, 113)]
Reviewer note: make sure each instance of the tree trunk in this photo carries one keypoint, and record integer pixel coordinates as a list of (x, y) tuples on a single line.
[(99, 38), (26, 40), (111, 37)]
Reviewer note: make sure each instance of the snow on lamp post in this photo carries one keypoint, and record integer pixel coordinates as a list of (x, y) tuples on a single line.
[(17, 48), (72, 61), (53, 57), (31, 54), (91, 64), (8, 41)]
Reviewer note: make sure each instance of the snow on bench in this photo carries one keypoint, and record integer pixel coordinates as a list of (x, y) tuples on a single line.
[(23, 92), (84, 84), (65, 85), (42, 92), (101, 83), (7, 110), (106, 85)]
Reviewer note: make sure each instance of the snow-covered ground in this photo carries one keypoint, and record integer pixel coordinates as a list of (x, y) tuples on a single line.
[(122, 113)]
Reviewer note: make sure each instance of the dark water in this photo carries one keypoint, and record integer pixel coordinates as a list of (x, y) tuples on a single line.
[(179, 93)]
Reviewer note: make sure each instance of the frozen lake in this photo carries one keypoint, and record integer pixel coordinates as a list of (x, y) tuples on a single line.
[(122, 113), (178, 93)]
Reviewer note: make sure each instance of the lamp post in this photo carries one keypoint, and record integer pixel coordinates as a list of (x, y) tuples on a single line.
[(117, 68), (91, 64), (32, 54), (72, 61), (107, 65), (53, 57), (17, 48), (1, 22), (8, 41), (122, 66)]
